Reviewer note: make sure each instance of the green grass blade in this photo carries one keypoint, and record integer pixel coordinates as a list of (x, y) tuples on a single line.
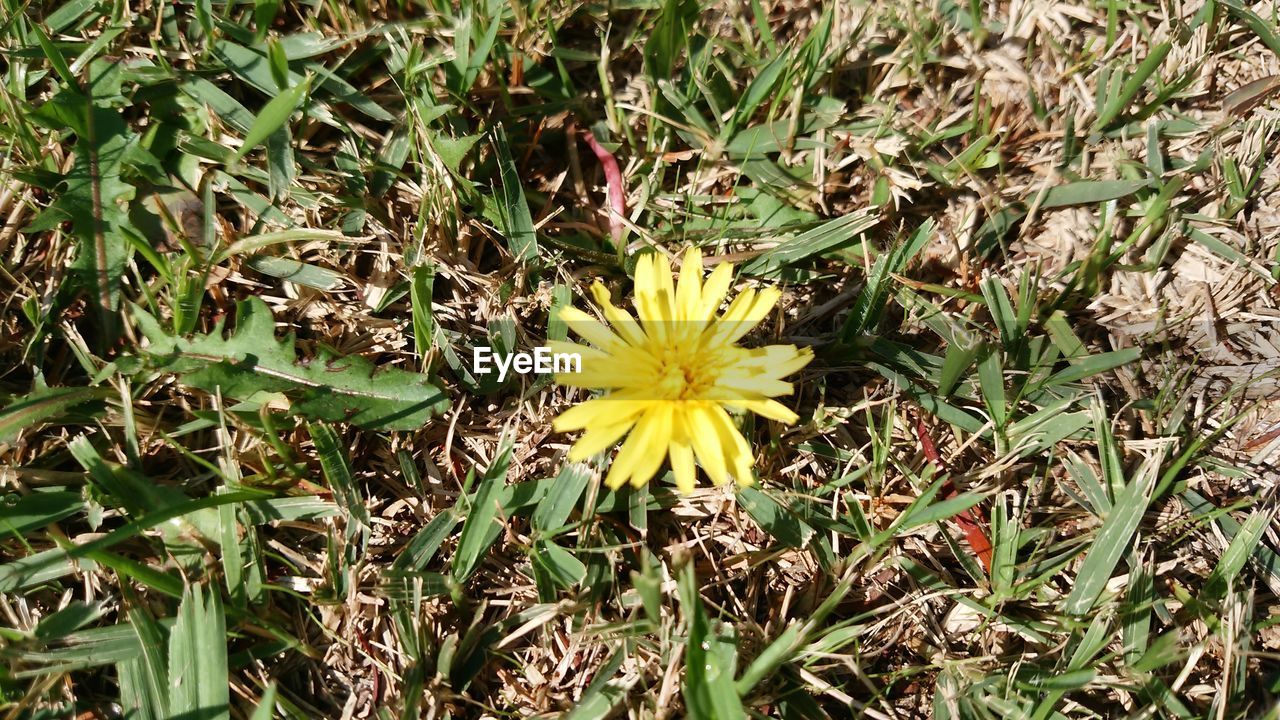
[(1112, 541)]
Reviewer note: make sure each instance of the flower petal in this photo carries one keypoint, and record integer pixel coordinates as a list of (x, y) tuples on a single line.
[(689, 287), (744, 313), (638, 446), (658, 441), (682, 466), (771, 409), (714, 289), (598, 439), (607, 410), (737, 451), (706, 443), (591, 329), (623, 324)]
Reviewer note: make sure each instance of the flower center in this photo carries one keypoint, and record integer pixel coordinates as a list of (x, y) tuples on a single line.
[(681, 375)]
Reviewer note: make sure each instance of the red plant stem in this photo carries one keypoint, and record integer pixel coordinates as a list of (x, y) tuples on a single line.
[(613, 178), (968, 520)]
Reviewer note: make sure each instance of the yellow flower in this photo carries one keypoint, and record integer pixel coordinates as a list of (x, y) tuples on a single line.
[(671, 376)]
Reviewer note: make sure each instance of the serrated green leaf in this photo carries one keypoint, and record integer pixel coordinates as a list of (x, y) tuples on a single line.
[(94, 199), (328, 387)]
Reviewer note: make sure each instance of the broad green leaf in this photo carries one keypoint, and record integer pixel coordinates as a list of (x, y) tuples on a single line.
[(421, 286), (917, 516), (1089, 192), (776, 520), (267, 705), (227, 108), (68, 620), (831, 235), (150, 669), (483, 525), (1265, 29), (991, 383), (337, 470), (198, 685), (94, 647), (761, 88), (18, 514), (273, 116), (556, 506), (328, 387), (1093, 365), (282, 237), (1246, 541), (868, 307), (30, 411), (605, 692), (710, 659), (559, 564), (561, 297), (1118, 101), (296, 271), (669, 38), (1111, 542), (1267, 560), (422, 548), (48, 564), (522, 239)]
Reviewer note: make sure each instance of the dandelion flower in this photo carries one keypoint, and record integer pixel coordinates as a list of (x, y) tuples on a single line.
[(671, 377)]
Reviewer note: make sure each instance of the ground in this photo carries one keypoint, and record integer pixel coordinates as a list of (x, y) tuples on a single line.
[(248, 250)]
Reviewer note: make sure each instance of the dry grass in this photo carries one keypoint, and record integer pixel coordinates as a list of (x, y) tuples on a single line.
[(826, 593)]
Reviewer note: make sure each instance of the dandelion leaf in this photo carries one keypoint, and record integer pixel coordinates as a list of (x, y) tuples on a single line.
[(250, 360)]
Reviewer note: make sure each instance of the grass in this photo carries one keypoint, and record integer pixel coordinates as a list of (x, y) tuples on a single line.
[(248, 249)]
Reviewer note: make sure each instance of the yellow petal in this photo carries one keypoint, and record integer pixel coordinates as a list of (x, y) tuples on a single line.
[(657, 443), (666, 288), (586, 352), (607, 410), (597, 376), (771, 409), (714, 289), (598, 439), (706, 443), (746, 386), (624, 461), (689, 287), (638, 446), (655, 296), (744, 313), (591, 329), (621, 321), (737, 451), (776, 361), (682, 466)]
